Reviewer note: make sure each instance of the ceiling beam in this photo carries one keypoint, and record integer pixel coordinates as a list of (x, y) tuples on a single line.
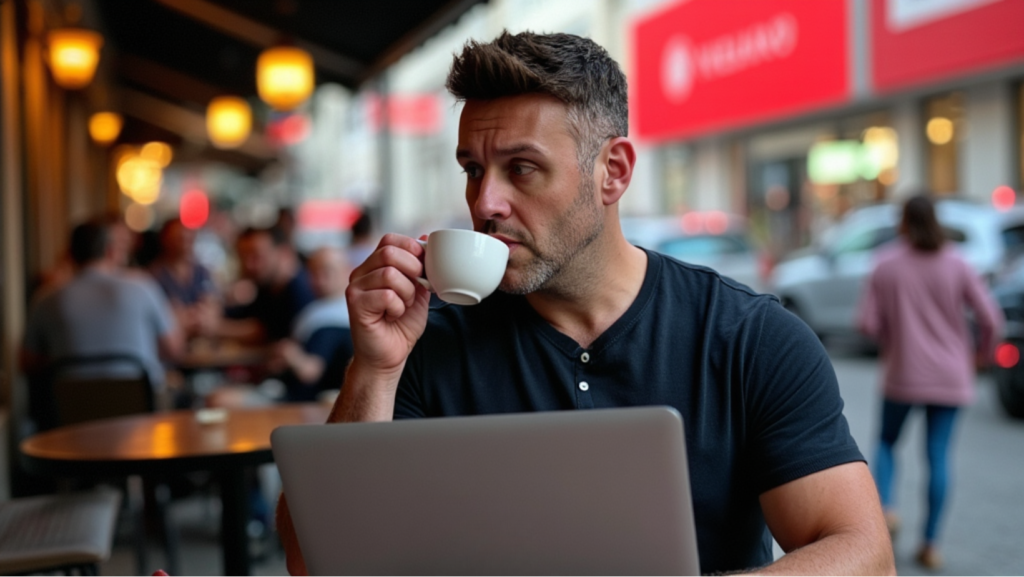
[(167, 81), (448, 14), (250, 31), (189, 124)]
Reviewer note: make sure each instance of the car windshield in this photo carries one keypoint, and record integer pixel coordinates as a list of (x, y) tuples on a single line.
[(703, 246)]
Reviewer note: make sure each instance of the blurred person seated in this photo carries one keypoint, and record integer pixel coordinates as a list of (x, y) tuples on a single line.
[(186, 283), (362, 243), (269, 261), (121, 241), (314, 359), (100, 310)]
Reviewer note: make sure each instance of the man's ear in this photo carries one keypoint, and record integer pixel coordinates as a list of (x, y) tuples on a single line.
[(619, 158)]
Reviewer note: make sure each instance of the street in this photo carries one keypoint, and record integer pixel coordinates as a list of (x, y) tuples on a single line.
[(983, 529)]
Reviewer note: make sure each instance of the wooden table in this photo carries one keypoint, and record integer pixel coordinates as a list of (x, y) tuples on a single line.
[(221, 356), (172, 443)]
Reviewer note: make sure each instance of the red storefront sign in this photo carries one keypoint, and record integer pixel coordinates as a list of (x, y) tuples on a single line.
[(915, 42), (706, 65), (408, 114)]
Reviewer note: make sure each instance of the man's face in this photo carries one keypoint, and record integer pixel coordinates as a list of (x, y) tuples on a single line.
[(328, 273), (179, 240), (258, 258), (523, 186), (119, 247)]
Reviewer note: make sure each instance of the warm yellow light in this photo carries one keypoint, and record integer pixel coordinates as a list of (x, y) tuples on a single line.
[(881, 148), (74, 54), (104, 127), (228, 121), (159, 152), (138, 217), (284, 76), (122, 153), (940, 130), (140, 179)]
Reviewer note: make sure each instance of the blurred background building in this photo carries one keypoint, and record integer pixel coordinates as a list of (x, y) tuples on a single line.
[(786, 112)]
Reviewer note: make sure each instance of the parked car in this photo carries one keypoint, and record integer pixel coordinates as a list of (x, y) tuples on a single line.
[(714, 239), (822, 284), (1008, 289)]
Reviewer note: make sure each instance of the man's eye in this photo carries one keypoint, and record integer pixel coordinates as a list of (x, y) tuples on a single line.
[(522, 169), (473, 171)]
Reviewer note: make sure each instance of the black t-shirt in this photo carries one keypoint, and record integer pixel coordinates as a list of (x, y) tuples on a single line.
[(277, 311), (759, 399)]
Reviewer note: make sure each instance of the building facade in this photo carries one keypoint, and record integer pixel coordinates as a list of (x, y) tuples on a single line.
[(794, 112)]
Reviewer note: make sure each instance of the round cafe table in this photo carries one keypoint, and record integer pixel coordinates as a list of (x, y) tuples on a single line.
[(156, 444)]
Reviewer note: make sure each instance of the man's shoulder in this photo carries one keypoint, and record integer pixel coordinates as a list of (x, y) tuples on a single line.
[(694, 285)]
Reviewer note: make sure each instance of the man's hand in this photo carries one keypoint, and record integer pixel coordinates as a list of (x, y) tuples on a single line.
[(387, 307)]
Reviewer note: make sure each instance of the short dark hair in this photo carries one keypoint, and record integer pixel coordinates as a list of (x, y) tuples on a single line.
[(575, 70), (277, 236), (920, 226), (89, 242)]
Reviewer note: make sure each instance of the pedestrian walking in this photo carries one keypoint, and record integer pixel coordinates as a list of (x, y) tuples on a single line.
[(914, 306)]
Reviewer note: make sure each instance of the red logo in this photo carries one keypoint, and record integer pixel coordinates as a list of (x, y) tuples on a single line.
[(703, 65)]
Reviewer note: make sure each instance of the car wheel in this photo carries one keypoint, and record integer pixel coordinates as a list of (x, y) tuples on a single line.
[(1010, 385)]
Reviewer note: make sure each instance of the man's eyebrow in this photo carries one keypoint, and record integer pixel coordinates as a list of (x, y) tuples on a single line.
[(501, 152)]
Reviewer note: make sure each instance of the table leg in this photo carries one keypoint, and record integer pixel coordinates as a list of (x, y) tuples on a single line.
[(234, 539), (136, 504)]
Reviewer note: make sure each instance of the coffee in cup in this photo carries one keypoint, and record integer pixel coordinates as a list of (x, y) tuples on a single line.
[(463, 267)]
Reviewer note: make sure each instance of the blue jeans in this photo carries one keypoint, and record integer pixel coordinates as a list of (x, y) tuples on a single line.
[(940, 421)]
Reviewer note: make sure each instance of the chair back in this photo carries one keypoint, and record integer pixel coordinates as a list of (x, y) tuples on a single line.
[(78, 399)]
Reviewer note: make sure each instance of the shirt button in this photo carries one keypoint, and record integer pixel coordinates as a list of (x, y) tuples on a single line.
[(585, 357), (584, 386)]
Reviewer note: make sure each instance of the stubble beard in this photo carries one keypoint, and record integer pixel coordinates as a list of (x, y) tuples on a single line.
[(579, 226)]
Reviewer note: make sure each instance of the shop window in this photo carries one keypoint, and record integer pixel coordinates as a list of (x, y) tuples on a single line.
[(676, 174), (857, 166), (944, 132)]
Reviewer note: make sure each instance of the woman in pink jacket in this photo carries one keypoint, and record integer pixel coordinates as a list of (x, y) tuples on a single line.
[(914, 305)]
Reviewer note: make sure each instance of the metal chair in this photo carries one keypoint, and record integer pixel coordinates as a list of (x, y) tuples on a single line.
[(49, 533), (71, 396)]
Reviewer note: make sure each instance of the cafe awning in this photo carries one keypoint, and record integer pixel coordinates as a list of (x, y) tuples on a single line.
[(168, 58)]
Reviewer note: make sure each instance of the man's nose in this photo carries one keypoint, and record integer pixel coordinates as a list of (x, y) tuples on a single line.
[(492, 198)]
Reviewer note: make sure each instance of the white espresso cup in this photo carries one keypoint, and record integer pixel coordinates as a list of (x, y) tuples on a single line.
[(463, 266)]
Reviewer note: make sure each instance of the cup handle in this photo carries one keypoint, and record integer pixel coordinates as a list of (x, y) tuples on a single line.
[(422, 280)]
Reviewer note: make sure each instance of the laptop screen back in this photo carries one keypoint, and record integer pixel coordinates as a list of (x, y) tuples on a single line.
[(575, 492)]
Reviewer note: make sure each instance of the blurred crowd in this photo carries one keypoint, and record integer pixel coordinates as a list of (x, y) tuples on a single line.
[(211, 317)]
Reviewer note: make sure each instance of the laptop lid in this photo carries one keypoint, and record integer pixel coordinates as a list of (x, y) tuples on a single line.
[(574, 492)]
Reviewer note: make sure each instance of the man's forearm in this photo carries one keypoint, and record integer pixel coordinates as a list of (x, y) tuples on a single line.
[(294, 560), (852, 553), (366, 395)]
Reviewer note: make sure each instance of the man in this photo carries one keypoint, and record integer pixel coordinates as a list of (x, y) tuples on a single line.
[(101, 310), (187, 284), (315, 357), (282, 287), (542, 139), (120, 243)]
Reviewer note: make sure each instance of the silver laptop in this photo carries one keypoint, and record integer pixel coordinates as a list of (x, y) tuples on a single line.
[(597, 492)]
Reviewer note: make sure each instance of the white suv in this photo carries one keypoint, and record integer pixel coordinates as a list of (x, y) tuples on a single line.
[(822, 283)]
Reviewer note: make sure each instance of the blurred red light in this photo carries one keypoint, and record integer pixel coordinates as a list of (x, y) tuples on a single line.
[(327, 215), (289, 130), (1007, 355), (716, 222), (194, 208), (693, 223), (1003, 198)]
